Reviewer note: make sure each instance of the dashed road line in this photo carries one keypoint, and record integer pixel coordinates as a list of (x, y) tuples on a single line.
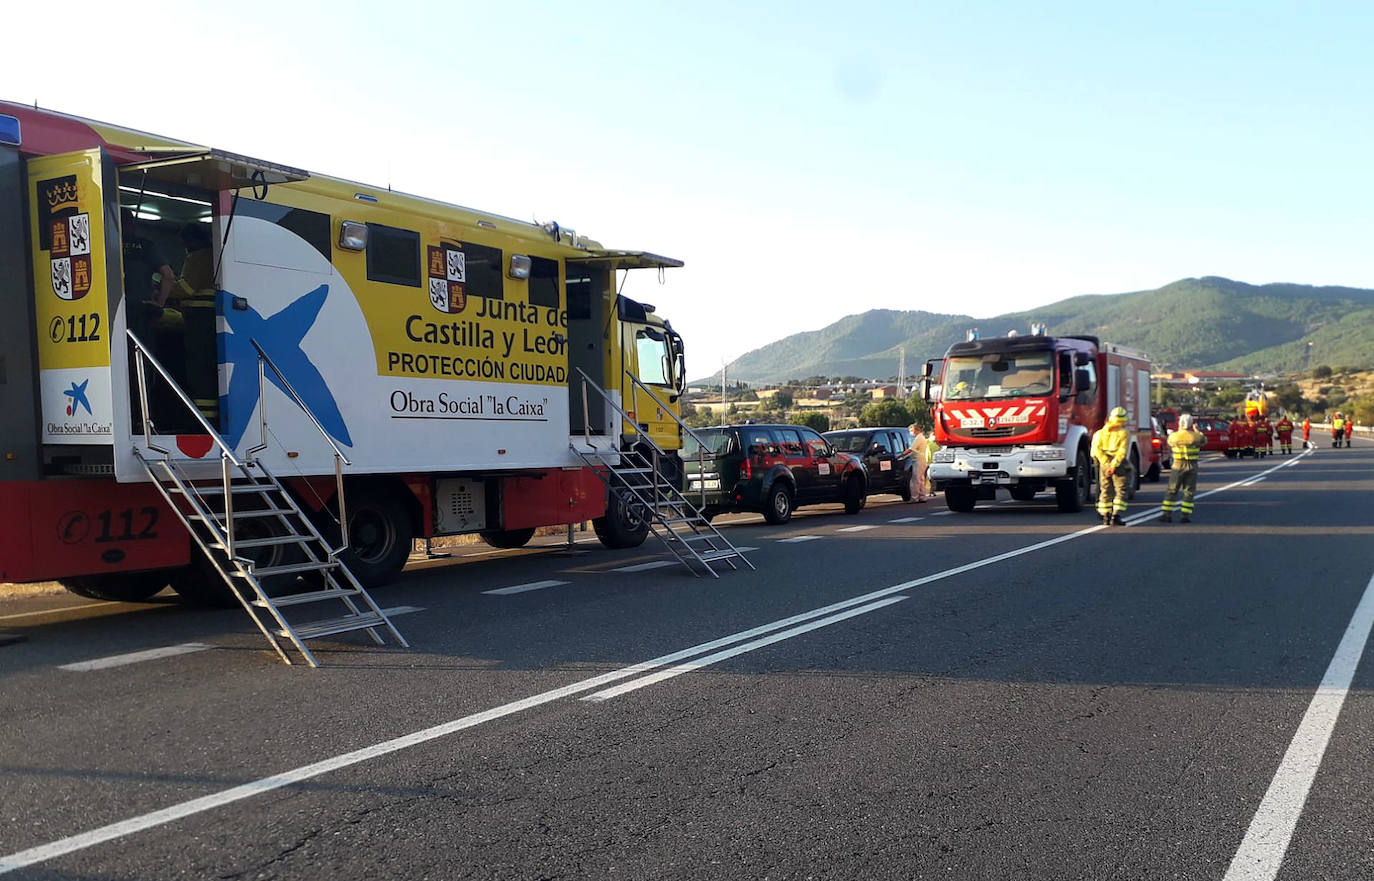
[(644, 567), (521, 588), (797, 538), (906, 520), (863, 528), (105, 663)]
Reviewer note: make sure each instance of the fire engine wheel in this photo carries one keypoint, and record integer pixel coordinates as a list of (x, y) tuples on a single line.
[(1073, 495), (380, 536), (961, 498), (1022, 493), (854, 497), (118, 587), (507, 538), (778, 510), (1153, 474), (624, 525), (1133, 486)]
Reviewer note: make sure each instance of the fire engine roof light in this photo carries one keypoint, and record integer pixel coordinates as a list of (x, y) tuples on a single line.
[(9, 130)]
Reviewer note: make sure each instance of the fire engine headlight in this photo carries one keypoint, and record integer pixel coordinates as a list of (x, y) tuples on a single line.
[(1046, 455), (943, 456)]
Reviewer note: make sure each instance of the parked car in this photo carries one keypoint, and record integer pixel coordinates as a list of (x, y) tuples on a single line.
[(1161, 455), (881, 451), (1217, 429), (770, 469)]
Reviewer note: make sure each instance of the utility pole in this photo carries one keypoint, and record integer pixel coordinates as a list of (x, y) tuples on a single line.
[(901, 372), (723, 405)]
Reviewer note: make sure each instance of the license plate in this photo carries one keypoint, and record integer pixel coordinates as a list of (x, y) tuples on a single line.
[(710, 484)]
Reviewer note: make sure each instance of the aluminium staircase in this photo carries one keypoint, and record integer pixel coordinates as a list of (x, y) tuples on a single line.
[(257, 537), (635, 479)]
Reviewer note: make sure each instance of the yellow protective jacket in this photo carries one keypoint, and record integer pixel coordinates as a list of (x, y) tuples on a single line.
[(1186, 444), (1111, 443)]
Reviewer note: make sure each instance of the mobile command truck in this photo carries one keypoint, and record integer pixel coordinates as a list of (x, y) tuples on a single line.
[(408, 367), (1019, 412)]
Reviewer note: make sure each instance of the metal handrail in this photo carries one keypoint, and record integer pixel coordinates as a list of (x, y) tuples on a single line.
[(701, 447), (340, 459), (141, 354)]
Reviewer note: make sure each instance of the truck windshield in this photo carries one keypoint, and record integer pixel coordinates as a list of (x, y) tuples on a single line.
[(652, 348), (998, 375)]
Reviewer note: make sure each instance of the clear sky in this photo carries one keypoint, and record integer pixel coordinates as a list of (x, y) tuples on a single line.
[(806, 160)]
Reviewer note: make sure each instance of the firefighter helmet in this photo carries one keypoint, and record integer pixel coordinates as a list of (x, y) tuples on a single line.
[(1118, 414)]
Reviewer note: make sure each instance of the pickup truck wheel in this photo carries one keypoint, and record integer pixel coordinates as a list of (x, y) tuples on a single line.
[(1072, 495), (904, 491), (624, 525), (961, 498), (1022, 493), (507, 538), (118, 587), (853, 496), (1153, 474), (779, 508)]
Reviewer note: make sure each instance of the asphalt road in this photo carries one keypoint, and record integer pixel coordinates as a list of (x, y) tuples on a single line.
[(1013, 693)]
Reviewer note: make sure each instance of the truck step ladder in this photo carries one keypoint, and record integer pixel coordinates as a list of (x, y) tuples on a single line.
[(259, 539), (635, 479)]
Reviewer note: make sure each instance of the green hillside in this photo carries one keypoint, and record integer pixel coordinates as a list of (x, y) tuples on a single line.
[(1196, 323)]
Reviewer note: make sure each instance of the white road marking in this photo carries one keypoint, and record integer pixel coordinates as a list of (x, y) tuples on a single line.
[(1254, 480), (44, 852), (942, 513), (401, 610), (708, 660), (521, 588), (856, 529), (1266, 841), (56, 611), (645, 567), (797, 538), (906, 520), (135, 657), (745, 550)]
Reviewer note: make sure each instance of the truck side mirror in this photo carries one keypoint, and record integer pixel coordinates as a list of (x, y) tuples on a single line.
[(1082, 381)]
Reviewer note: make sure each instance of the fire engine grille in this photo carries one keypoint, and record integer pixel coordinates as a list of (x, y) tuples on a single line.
[(1008, 431)]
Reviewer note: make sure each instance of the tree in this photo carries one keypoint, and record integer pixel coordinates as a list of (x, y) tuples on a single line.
[(814, 419), (1321, 372), (885, 414)]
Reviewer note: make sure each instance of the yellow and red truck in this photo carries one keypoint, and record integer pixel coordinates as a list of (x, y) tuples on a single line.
[(1018, 412), (440, 350)]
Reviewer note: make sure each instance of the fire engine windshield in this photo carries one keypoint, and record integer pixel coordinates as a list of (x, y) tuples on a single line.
[(998, 375)]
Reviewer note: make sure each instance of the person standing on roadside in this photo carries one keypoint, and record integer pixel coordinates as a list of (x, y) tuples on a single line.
[(1110, 445), (1349, 430), (1284, 429), (1186, 445), (1306, 432), (920, 462), (1337, 429)]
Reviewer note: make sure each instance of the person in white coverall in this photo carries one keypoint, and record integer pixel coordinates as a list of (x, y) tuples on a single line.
[(919, 451)]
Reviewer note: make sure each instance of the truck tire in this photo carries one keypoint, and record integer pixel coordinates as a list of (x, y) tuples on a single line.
[(623, 526), (118, 587), (507, 538), (1022, 493), (1153, 474), (778, 509), (1072, 495), (200, 584), (1133, 486), (961, 498), (380, 536), (854, 497)]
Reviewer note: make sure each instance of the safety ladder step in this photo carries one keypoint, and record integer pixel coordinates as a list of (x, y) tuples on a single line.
[(290, 568), (313, 596), (290, 538), (718, 554), (255, 512), (237, 488), (331, 626)]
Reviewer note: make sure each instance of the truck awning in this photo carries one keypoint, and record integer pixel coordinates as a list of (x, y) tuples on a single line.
[(216, 170), (627, 260)]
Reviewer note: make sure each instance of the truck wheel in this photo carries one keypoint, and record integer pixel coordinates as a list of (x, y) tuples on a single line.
[(1072, 495), (961, 498), (380, 536), (904, 491), (200, 583), (507, 538), (624, 525), (1153, 474), (854, 496), (1023, 493), (118, 587), (779, 508)]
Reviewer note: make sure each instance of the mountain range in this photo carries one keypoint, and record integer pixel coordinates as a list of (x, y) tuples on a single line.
[(1208, 323)]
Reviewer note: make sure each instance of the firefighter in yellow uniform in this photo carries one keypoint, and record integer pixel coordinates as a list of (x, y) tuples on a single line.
[(1111, 444), (1186, 445)]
